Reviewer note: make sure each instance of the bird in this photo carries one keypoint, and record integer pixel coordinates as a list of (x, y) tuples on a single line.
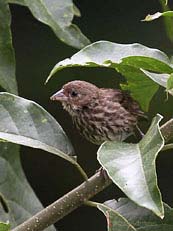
[(99, 114)]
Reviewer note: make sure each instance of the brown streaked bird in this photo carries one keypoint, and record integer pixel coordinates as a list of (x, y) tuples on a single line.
[(99, 114)]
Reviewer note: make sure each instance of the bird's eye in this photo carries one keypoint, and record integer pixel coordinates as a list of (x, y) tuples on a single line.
[(74, 93)]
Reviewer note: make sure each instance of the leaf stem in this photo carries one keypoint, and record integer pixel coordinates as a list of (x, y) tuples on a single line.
[(167, 147), (82, 172), (91, 203)]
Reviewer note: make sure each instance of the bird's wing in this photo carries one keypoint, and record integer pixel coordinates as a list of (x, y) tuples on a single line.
[(124, 99)]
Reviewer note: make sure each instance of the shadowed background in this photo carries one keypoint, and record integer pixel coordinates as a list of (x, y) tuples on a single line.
[(38, 50)]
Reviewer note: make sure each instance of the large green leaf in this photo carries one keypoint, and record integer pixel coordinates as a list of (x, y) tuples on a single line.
[(132, 167), (141, 218), (138, 82), (7, 60), (106, 54), (125, 58), (58, 15), (115, 222), (18, 201), (25, 122)]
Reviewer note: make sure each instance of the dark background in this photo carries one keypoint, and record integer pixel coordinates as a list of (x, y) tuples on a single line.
[(38, 50)]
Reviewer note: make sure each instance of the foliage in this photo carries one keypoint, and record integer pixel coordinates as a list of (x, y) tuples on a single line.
[(168, 20), (130, 60), (130, 166), (4, 227), (126, 215), (126, 166), (58, 17)]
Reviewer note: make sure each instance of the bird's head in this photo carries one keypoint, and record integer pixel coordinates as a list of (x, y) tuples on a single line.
[(76, 96)]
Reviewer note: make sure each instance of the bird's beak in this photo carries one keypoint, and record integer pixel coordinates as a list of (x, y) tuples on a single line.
[(59, 96)]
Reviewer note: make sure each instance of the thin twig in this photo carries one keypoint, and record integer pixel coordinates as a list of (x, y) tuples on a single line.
[(65, 204), (91, 204)]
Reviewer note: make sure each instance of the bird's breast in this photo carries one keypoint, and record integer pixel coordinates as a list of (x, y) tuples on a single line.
[(98, 125)]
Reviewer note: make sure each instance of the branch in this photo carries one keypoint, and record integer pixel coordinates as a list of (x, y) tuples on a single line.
[(65, 204), (77, 196)]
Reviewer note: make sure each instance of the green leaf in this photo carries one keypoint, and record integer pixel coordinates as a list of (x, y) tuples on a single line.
[(125, 58), (106, 54), (58, 15), (169, 84), (168, 21), (132, 167), (25, 122), (7, 60), (141, 218), (4, 226), (18, 202), (147, 63), (115, 222), (161, 79), (165, 80), (137, 82)]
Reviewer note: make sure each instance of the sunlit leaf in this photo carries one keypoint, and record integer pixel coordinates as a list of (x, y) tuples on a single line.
[(132, 167), (124, 58), (106, 54)]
